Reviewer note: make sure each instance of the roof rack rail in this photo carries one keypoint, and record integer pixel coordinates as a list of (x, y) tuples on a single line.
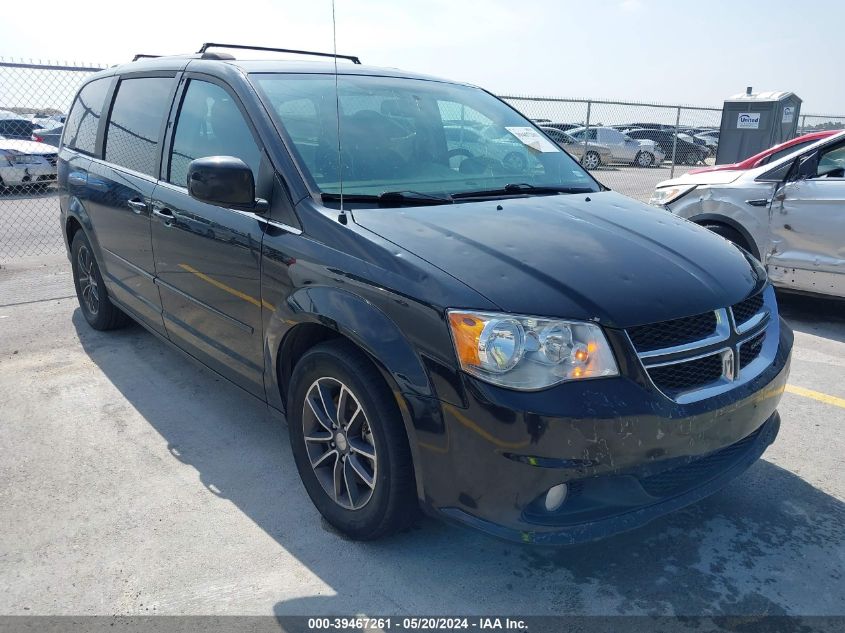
[(207, 45), (144, 56)]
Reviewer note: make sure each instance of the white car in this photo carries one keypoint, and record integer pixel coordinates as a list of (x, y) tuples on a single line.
[(789, 213), (26, 163), (623, 149)]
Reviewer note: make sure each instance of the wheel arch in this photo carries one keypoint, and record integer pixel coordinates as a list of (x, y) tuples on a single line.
[(338, 314), (714, 218)]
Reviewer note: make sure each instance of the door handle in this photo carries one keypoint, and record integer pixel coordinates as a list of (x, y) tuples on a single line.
[(762, 202), (165, 214), (137, 205)]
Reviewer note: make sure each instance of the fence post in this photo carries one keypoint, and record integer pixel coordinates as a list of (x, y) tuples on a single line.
[(587, 130), (675, 142)]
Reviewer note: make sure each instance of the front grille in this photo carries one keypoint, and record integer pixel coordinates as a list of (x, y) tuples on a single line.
[(52, 158), (697, 471), (751, 349), (686, 375), (671, 333), (744, 310)]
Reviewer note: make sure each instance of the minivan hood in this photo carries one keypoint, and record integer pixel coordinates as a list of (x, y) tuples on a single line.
[(599, 256)]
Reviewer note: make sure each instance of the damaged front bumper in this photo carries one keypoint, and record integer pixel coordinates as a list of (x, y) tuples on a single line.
[(626, 453)]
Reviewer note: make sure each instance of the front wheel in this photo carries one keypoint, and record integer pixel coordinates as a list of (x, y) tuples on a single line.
[(645, 159), (349, 442), (94, 301), (591, 160)]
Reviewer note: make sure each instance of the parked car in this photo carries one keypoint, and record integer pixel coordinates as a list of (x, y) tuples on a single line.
[(770, 155), (711, 140), (48, 122), (685, 151), (591, 155), (623, 148), (563, 127), (489, 142), (26, 163), (16, 129), (50, 136), (527, 353), (787, 212)]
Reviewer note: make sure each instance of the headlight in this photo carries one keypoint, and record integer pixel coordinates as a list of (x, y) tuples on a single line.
[(529, 353), (669, 194)]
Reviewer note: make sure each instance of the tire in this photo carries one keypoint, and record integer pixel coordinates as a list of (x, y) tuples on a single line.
[(515, 161), (591, 160), (331, 371), (691, 158), (730, 234), (94, 302), (644, 159)]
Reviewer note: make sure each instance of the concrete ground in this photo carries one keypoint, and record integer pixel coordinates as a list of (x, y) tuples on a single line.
[(136, 482)]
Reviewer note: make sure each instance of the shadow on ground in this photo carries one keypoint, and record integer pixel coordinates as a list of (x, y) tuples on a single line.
[(770, 543)]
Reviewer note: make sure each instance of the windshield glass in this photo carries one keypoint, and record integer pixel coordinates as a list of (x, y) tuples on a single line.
[(412, 135)]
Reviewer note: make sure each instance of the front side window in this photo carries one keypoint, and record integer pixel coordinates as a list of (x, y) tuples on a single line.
[(411, 135), (139, 110), (832, 161), (81, 125), (209, 124)]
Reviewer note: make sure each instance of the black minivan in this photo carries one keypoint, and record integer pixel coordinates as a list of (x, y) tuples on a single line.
[(450, 311)]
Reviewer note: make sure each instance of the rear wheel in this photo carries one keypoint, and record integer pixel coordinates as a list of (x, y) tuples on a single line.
[(349, 442), (691, 158), (591, 160), (91, 292)]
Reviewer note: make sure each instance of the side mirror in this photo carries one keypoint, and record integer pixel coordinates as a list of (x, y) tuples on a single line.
[(808, 166), (225, 181)]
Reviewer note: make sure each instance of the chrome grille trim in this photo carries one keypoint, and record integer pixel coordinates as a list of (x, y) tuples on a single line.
[(723, 332), (728, 343)]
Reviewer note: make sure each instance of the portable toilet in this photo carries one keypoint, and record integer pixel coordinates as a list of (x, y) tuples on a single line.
[(754, 122)]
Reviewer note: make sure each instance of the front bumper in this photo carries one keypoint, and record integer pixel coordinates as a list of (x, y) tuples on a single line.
[(627, 453), (28, 175)]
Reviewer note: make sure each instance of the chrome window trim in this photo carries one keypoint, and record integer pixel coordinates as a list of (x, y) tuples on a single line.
[(250, 214)]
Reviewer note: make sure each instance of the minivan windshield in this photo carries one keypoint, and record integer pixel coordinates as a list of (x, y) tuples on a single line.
[(415, 139)]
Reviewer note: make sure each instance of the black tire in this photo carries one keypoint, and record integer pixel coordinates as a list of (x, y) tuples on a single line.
[(392, 504), (102, 315), (691, 158), (730, 234), (591, 160), (644, 159), (515, 161)]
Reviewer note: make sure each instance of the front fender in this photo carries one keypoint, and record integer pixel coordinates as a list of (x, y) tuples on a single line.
[(371, 330)]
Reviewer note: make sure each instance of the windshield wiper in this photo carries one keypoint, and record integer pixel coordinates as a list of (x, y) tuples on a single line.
[(391, 198), (521, 187)]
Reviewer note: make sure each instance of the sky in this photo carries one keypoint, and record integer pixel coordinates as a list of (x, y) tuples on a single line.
[(635, 50)]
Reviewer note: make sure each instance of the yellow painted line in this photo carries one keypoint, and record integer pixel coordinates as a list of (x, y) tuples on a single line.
[(225, 288), (816, 395)]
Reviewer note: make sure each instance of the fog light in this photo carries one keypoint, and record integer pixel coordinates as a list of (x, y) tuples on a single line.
[(555, 497)]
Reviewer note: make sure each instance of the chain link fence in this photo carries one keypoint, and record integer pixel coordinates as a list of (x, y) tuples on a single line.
[(628, 146), (34, 99)]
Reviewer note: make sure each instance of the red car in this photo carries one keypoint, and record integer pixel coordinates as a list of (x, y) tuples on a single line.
[(773, 153)]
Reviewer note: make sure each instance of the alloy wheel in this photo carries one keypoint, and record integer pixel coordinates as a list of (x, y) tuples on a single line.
[(87, 278), (591, 160), (339, 443)]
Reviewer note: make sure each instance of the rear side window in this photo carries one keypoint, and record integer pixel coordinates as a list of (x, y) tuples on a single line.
[(84, 119), (139, 109)]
